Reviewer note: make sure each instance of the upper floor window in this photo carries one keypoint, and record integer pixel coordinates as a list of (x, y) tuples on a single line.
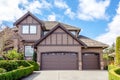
[(29, 29), (25, 29)]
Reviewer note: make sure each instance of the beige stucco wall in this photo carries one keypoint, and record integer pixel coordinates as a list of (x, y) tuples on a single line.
[(42, 49)]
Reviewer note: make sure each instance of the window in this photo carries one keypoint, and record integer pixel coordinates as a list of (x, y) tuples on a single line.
[(32, 29), (29, 29), (25, 29), (29, 51)]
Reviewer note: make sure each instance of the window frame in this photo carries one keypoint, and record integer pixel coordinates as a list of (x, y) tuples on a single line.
[(23, 29), (25, 51), (29, 29)]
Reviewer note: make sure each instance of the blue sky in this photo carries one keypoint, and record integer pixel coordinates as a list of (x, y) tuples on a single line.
[(98, 19)]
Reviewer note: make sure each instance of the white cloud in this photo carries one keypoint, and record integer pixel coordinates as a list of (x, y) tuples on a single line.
[(70, 13), (52, 17), (62, 5), (92, 9), (36, 5), (10, 10), (113, 29)]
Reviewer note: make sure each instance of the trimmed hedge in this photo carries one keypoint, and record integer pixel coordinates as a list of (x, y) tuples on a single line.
[(35, 64), (114, 73), (2, 70), (18, 73), (1, 58), (8, 65), (117, 60), (112, 67)]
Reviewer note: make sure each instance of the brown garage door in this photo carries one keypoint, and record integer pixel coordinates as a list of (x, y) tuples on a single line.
[(90, 61), (59, 61)]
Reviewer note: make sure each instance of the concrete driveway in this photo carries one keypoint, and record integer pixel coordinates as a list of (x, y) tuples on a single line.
[(68, 75)]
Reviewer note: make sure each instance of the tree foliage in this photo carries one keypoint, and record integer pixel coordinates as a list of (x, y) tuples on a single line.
[(107, 51), (5, 35), (13, 55)]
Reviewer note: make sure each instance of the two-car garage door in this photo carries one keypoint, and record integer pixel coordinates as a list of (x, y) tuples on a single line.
[(69, 61), (59, 61)]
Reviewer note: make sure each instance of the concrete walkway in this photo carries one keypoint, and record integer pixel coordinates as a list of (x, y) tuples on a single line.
[(68, 75)]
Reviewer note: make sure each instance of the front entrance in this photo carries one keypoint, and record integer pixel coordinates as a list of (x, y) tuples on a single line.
[(90, 61), (59, 61)]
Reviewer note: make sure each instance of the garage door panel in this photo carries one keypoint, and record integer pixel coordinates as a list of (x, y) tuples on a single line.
[(90, 61), (59, 61)]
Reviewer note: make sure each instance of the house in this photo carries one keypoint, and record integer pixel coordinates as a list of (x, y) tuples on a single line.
[(58, 46)]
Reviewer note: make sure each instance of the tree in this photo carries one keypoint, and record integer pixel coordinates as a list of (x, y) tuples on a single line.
[(5, 35), (117, 56)]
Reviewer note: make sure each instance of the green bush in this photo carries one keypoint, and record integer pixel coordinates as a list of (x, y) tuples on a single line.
[(2, 70), (35, 64), (21, 56), (1, 58), (8, 65), (13, 55), (22, 63), (17, 74), (114, 72), (20, 67), (117, 61), (35, 57), (111, 67)]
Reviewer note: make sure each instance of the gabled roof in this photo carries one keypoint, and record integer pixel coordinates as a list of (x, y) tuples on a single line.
[(91, 43), (25, 16), (50, 24), (53, 29), (46, 25)]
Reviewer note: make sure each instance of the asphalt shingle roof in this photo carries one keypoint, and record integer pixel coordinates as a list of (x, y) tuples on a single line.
[(50, 24), (91, 43)]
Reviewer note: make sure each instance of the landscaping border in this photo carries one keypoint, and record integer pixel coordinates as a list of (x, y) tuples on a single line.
[(18, 73), (113, 70)]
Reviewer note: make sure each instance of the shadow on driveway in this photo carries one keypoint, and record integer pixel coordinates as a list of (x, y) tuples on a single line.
[(32, 76)]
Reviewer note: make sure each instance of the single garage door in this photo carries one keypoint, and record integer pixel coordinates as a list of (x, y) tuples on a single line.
[(59, 61), (90, 61)]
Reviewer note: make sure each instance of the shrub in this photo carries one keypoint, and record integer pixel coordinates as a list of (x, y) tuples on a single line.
[(114, 74), (21, 56), (1, 58), (8, 65), (14, 55), (35, 57), (2, 70), (17, 74), (35, 64), (20, 67), (22, 63), (111, 67), (117, 61)]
